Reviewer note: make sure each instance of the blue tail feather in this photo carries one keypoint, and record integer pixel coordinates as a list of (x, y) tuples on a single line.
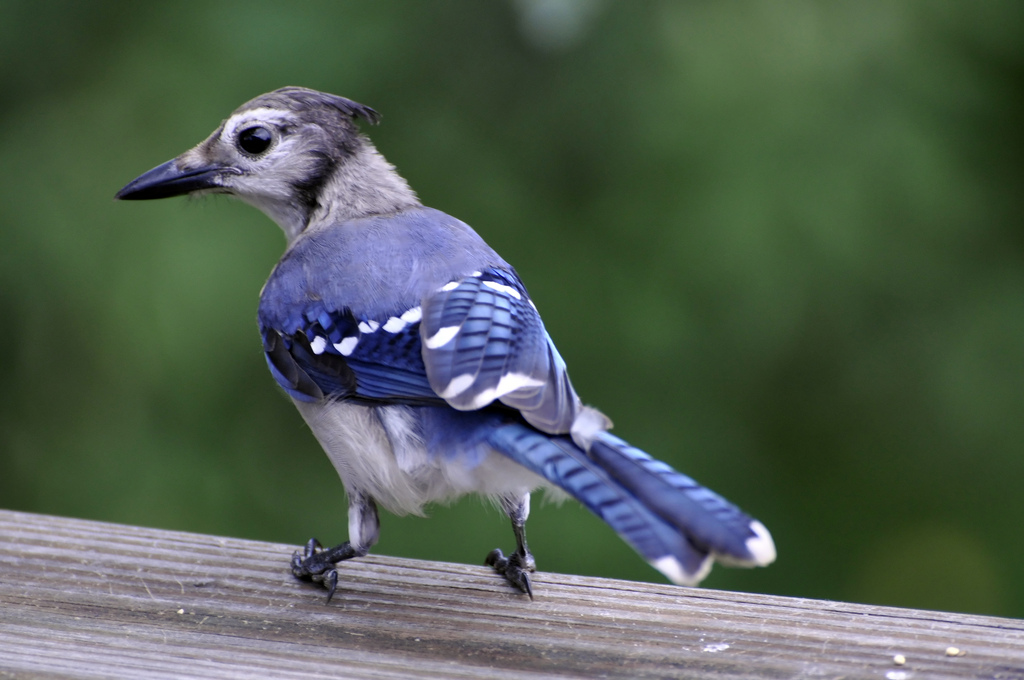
[(710, 521), (560, 461), (678, 525)]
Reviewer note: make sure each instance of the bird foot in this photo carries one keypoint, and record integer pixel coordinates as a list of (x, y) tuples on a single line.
[(515, 568), (316, 564)]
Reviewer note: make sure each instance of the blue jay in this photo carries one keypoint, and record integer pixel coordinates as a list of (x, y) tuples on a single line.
[(418, 359)]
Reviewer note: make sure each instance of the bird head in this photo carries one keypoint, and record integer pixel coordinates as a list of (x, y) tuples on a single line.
[(294, 153)]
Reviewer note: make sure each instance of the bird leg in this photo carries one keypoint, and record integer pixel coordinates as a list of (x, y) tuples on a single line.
[(516, 567), (316, 564)]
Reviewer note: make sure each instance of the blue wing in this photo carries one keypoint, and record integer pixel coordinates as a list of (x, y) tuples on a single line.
[(332, 353), (476, 340), (483, 341)]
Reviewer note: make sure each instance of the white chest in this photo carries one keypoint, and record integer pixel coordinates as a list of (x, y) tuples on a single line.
[(378, 451)]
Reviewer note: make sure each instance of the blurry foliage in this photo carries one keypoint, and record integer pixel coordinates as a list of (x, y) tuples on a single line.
[(779, 243)]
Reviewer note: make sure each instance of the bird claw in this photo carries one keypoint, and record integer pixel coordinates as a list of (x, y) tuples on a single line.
[(515, 568), (329, 579), (306, 564), (311, 565)]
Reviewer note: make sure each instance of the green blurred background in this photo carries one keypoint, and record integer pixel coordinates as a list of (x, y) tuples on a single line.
[(779, 243)]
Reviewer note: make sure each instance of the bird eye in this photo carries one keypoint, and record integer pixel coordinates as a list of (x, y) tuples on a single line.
[(254, 140)]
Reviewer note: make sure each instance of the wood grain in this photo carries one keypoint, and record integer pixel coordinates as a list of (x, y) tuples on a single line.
[(83, 599)]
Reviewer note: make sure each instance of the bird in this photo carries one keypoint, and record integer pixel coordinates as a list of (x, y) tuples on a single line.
[(417, 358)]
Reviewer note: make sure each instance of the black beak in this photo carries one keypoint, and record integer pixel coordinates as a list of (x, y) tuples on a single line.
[(168, 180)]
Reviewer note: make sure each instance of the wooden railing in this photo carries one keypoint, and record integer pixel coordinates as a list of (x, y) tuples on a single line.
[(83, 599)]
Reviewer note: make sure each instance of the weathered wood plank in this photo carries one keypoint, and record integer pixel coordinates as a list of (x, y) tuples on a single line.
[(81, 599)]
